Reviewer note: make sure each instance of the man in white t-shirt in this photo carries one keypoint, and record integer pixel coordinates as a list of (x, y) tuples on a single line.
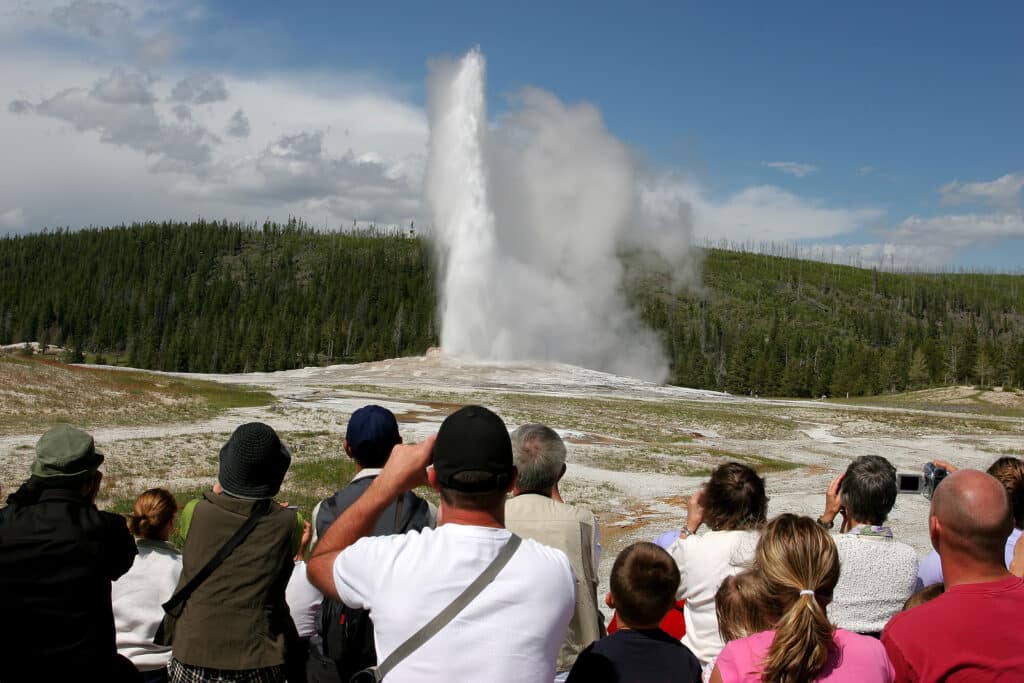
[(513, 629)]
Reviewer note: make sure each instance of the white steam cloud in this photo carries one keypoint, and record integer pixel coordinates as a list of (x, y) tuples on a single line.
[(529, 215)]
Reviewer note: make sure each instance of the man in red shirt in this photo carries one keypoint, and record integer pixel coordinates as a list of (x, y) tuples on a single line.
[(971, 632)]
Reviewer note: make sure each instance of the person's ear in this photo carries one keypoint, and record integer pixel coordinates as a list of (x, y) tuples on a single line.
[(609, 600), (513, 480), (348, 450), (432, 479), (934, 531)]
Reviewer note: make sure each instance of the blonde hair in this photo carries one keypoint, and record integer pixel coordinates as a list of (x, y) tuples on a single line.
[(153, 510), (796, 556), (742, 606)]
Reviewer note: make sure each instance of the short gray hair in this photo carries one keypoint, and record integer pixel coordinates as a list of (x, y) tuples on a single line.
[(539, 454), (869, 489)]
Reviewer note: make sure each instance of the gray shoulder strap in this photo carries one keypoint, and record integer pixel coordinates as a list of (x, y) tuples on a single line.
[(432, 627)]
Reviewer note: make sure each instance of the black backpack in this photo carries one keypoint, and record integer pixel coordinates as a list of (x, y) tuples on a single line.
[(346, 633)]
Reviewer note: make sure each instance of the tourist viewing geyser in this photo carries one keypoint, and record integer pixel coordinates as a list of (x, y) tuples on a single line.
[(529, 215)]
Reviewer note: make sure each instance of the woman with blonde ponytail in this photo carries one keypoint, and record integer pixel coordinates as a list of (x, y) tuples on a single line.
[(799, 567), (138, 595)]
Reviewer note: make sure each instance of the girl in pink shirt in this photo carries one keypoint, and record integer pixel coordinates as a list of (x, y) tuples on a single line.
[(796, 569)]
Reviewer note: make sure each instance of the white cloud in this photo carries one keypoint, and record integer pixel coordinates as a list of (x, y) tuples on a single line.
[(297, 170), (200, 88), (96, 31), (883, 255), (867, 169), (345, 148), (96, 19), (955, 231), (238, 126), (1001, 192), (761, 213), (793, 168), (124, 87), (158, 48), (120, 108), (13, 220), (921, 243)]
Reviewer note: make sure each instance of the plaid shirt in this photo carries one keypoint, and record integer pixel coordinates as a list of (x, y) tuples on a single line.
[(178, 672)]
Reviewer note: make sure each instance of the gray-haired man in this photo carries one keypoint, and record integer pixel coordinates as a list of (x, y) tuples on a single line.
[(537, 511)]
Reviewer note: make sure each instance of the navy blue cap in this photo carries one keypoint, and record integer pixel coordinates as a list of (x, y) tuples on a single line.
[(372, 433)]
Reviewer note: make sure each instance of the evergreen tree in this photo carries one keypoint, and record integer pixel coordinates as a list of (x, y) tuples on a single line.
[(983, 368), (919, 374)]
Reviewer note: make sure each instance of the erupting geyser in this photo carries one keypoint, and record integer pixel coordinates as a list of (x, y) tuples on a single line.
[(528, 215)]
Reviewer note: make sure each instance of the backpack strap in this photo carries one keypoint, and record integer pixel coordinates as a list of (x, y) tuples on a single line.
[(185, 518), (300, 522), (432, 627), (260, 509)]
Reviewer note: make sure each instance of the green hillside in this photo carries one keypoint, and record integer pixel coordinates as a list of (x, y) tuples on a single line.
[(779, 326), (220, 297)]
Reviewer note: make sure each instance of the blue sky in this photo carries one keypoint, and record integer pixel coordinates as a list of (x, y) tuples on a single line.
[(895, 128)]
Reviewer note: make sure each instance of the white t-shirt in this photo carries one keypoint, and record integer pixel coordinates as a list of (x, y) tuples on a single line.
[(510, 633), (304, 600), (136, 599), (704, 562)]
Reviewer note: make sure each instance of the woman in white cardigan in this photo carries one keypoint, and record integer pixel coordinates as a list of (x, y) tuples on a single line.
[(138, 595), (734, 506)]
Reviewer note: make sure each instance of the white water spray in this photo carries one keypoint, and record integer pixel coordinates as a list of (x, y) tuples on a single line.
[(528, 216), (456, 187)]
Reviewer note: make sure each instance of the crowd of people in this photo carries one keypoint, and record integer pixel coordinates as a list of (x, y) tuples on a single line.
[(499, 581)]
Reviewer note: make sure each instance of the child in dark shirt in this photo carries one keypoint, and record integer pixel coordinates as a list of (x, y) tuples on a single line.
[(644, 581)]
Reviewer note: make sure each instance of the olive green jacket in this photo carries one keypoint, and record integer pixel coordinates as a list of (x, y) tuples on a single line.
[(237, 619)]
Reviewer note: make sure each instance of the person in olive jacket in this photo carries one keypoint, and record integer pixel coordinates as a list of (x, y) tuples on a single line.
[(58, 557), (236, 625)]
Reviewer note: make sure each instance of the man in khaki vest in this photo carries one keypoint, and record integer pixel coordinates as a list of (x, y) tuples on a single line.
[(536, 511)]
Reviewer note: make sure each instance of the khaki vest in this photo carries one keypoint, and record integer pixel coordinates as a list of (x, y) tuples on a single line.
[(237, 618), (571, 530)]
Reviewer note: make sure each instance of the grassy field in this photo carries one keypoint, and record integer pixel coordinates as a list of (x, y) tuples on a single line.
[(668, 421), (35, 393), (963, 400)]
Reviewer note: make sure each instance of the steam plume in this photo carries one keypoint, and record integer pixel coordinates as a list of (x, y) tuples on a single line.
[(528, 217)]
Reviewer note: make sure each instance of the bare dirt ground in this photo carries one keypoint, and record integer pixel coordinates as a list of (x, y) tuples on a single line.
[(636, 449)]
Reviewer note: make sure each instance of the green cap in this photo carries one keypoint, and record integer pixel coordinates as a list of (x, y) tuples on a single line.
[(65, 454)]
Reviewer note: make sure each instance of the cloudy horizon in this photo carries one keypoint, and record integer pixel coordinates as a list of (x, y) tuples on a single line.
[(114, 112)]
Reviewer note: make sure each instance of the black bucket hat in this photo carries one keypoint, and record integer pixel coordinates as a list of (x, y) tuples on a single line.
[(253, 462)]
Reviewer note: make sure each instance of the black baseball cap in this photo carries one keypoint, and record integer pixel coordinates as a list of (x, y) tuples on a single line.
[(473, 440)]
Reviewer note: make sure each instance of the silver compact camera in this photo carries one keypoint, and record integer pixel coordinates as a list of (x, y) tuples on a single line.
[(924, 483)]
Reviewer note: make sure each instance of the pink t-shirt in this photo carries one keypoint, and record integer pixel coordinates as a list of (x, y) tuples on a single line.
[(856, 659)]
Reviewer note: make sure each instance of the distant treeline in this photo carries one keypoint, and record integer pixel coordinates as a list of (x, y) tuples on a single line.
[(219, 297), (228, 297)]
